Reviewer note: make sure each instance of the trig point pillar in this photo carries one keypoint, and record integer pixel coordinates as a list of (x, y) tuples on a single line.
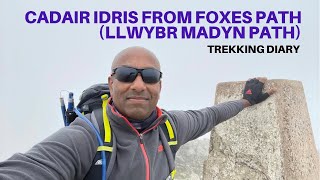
[(272, 140)]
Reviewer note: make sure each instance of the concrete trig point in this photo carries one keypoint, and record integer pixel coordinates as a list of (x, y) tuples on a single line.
[(272, 140)]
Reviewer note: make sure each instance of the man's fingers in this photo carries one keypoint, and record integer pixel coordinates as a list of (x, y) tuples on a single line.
[(263, 97), (271, 91), (253, 90), (262, 79)]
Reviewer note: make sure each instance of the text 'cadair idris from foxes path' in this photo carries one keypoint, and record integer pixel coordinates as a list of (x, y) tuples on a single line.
[(214, 24)]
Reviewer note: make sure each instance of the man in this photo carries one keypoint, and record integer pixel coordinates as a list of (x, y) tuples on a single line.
[(141, 150)]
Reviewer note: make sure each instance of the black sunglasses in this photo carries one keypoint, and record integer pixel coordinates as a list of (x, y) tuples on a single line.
[(129, 74)]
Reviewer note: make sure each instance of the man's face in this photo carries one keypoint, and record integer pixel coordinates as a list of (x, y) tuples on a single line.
[(135, 99)]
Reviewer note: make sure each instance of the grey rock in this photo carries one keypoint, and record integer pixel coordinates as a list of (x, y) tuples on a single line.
[(269, 141)]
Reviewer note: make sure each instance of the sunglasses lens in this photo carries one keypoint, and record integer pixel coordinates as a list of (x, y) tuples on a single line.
[(151, 75), (126, 74)]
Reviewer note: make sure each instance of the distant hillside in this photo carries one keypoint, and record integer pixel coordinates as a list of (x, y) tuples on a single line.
[(190, 158)]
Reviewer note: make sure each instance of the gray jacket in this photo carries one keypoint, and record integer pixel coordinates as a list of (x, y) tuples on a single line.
[(68, 153)]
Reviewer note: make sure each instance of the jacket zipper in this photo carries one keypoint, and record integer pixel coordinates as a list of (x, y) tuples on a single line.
[(144, 152), (146, 159)]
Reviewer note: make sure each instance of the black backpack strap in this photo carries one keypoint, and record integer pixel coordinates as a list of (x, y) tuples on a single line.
[(96, 123), (168, 132), (97, 113), (101, 120)]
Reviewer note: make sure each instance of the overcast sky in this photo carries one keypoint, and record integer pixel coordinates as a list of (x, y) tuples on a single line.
[(38, 61)]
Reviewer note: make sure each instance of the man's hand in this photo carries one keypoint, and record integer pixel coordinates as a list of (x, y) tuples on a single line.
[(252, 93)]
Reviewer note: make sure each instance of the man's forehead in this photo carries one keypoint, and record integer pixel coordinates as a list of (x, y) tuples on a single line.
[(138, 57)]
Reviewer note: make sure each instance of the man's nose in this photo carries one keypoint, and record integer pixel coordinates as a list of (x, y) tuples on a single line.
[(138, 84)]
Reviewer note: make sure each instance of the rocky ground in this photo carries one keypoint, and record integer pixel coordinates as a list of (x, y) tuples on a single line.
[(190, 158)]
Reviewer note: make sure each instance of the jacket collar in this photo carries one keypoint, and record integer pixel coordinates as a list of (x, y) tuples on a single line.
[(123, 122)]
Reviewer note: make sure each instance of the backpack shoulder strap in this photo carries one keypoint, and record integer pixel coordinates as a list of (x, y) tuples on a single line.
[(97, 124), (170, 132), (101, 121)]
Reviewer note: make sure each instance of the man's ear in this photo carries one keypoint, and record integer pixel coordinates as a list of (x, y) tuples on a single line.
[(160, 84), (110, 83)]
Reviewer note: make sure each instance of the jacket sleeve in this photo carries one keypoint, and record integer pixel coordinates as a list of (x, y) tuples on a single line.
[(67, 154), (194, 123)]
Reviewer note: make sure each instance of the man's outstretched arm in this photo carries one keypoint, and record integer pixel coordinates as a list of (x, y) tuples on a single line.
[(67, 154)]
